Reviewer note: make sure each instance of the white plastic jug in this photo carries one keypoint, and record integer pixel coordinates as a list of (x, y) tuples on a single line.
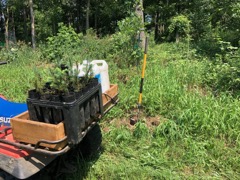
[(100, 71)]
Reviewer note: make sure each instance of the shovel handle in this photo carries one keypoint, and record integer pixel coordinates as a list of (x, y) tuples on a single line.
[(143, 72)]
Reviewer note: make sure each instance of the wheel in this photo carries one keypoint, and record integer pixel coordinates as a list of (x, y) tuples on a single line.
[(91, 143)]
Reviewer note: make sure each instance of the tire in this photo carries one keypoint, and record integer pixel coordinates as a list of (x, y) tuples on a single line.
[(91, 143)]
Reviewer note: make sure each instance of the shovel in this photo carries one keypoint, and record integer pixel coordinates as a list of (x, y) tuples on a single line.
[(133, 120)]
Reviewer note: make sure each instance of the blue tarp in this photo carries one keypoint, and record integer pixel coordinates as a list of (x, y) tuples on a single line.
[(10, 109)]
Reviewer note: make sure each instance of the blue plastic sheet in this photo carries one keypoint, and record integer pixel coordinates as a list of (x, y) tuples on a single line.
[(10, 109)]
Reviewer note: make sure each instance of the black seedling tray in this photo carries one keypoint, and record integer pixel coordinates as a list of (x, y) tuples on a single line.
[(77, 115)]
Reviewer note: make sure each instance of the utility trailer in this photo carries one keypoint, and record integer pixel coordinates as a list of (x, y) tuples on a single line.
[(21, 160)]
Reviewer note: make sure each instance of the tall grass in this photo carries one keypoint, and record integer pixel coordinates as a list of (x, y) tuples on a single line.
[(200, 139), (197, 136), (16, 78)]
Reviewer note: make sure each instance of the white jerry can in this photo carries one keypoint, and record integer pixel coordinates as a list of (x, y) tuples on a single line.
[(100, 71)]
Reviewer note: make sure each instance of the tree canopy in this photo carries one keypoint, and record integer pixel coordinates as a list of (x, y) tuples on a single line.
[(168, 20)]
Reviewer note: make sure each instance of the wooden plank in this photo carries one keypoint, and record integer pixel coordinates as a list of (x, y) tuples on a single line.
[(23, 115), (28, 131), (111, 93)]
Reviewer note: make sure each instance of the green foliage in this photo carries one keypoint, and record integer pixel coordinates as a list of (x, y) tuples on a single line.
[(67, 46), (60, 79), (38, 80), (93, 47), (169, 130), (141, 130), (121, 135), (214, 41), (46, 20), (222, 74), (230, 36), (126, 50), (63, 46), (9, 55), (227, 51), (17, 77), (180, 26)]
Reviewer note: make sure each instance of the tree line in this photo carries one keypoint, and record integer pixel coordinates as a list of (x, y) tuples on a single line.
[(175, 20)]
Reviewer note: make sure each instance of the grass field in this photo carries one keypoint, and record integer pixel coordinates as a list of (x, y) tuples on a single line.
[(184, 131)]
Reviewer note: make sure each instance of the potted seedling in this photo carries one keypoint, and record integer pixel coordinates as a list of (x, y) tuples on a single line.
[(66, 97)]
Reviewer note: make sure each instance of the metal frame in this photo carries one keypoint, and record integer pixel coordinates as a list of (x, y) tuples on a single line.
[(36, 148)]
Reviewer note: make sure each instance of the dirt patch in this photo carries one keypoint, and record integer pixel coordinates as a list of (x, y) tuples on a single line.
[(151, 122)]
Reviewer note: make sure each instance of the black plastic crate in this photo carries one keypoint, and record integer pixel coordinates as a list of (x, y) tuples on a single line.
[(77, 115)]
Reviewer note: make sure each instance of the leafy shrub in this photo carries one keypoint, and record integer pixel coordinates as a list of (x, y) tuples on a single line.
[(126, 51), (62, 46), (123, 47), (213, 39), (231, 36), (70, 46), (179, 27), (223, 74), (93, 47), (208, 44), (9, 55)]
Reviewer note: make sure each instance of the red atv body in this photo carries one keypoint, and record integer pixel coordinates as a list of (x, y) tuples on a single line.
[(16, 161)]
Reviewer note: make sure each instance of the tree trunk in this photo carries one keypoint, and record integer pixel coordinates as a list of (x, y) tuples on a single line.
[(177, 36), (87, 14), (156, 27), (6, 29), (32, 24), (14, 39), (139, 13), (79, 22), (25, 24), (69, 19), (78, 19), (96, 20), (54, 31)]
